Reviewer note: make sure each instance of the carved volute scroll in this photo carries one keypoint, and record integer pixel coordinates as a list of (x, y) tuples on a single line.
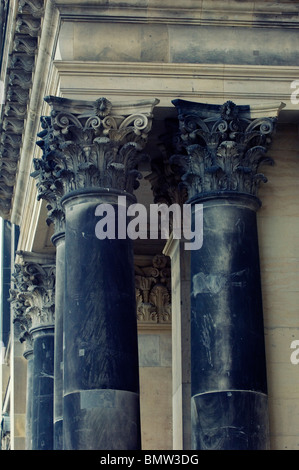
[(153, 290)]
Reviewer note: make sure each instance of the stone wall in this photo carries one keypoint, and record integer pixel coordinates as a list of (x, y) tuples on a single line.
[(278, 222)]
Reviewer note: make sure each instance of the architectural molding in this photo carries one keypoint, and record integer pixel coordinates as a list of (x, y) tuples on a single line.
[(19, 79), (213, 83), (247, 13)]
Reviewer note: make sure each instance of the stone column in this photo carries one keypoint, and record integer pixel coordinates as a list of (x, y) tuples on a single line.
[(221, 149), (93, 149), (37, 296), (59, 242), (51, 191), (21, 330), (180, 281), (28, 354), (165, 184)]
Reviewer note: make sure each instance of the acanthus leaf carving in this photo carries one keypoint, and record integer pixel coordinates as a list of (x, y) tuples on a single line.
[(95, 148), (33, 295), (221, 148), (153, 291)]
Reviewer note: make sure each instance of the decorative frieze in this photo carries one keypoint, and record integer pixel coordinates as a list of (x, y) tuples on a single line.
[(20, 70), (28, 25), (221, 148), (34, 8), (153, 290), (20, 61)]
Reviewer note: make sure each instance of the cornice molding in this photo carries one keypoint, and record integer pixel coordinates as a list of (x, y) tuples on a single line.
[(19, 73), (161, 69), (191, 12)]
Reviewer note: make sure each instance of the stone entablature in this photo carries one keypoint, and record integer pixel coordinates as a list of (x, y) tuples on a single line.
[(199, 12)]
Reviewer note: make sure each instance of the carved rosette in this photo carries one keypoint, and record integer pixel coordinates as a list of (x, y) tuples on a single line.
[(153, 291), (221, 148), (33, 295)]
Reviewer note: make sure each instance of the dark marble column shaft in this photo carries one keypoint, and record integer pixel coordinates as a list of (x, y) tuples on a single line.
[(43, 389), (29, 400), (228, 367), (101, 402), (219, 154), (59, 242)]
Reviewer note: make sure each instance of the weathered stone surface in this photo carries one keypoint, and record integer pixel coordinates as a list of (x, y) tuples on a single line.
[(100, 330)]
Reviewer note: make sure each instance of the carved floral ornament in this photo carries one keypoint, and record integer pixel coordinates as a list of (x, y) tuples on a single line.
[(153, 291), (90, 145)]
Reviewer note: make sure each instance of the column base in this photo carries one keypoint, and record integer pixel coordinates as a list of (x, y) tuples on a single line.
[(101, 420), (230, 420)]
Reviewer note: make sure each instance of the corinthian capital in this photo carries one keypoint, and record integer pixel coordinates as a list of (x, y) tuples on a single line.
[(33, 295), (91, 145), (221, 148), (22, 323)]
